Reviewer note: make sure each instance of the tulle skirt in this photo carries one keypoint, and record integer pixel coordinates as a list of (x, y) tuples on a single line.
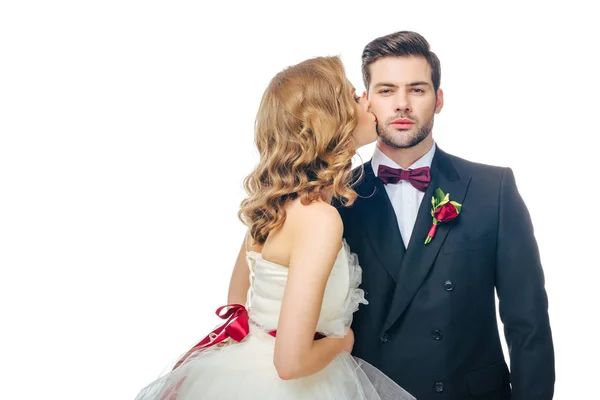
[(246, 371)]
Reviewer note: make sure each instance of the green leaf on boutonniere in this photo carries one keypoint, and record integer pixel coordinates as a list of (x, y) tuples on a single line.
[(445, 200), (456, 205), (439, 195)]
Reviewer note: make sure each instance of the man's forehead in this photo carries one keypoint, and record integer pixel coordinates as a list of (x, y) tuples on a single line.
[(404, 69)]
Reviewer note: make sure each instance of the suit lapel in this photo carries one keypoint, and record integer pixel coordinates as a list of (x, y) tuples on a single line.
[(419, 257), (380, 222)]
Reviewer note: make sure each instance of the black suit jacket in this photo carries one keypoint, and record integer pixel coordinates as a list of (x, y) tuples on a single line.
[(431, 320)]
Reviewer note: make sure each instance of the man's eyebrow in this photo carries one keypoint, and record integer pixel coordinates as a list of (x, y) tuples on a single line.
[(385, 84), (393, 85), (418, 84)]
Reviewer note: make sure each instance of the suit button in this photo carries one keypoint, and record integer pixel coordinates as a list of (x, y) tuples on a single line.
[(384, 338), (449, 286), (439, 387), (438, 335)]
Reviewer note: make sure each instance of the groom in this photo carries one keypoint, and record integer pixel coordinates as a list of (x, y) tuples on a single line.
[(431, 320)]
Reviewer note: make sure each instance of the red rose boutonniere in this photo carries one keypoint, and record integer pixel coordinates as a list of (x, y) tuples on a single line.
[(443, 210)]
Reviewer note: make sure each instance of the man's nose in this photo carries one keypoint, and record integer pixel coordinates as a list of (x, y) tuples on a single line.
[(401, 102)]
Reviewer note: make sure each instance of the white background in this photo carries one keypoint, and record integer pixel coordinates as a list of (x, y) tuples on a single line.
[(127, 129)]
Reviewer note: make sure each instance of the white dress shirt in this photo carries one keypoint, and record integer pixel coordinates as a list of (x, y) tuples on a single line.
[(405, 198)]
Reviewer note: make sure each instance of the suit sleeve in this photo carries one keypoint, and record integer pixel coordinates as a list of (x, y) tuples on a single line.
[(522, 298)]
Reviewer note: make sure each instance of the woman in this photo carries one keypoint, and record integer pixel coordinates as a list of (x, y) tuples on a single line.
[(292, 340)]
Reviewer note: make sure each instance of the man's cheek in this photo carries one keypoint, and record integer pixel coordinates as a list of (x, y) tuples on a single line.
[(378, 114)]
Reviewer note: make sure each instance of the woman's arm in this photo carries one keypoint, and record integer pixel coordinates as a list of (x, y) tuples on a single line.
[(240, 278), (316, 238)]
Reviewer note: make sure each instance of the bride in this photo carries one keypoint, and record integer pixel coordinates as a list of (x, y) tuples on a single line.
[(287, 331)]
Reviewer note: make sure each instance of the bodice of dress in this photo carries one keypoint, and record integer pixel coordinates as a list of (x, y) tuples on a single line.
[(341, 299)]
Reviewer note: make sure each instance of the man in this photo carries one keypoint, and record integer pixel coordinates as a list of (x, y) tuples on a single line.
[(431, 321)]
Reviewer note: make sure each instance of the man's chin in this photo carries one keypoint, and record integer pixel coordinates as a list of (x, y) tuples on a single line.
[(400, 140)]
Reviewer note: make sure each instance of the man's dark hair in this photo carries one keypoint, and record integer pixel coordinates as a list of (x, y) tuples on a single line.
[(403, 43)]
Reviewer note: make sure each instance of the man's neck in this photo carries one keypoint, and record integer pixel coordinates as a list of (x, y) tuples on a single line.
[(406, 157)]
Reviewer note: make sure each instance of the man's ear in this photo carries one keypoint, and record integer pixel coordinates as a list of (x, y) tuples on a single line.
[(439, 104)]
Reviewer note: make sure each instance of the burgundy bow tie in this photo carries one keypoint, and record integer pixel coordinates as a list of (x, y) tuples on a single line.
[(419, 177)]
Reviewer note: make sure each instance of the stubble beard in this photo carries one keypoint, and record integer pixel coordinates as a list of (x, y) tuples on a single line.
[(405, 139)]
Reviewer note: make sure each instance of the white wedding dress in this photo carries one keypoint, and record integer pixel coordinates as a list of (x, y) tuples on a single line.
[(245, 370)]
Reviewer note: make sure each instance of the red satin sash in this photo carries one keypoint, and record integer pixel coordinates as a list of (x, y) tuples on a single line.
[(236, 327)]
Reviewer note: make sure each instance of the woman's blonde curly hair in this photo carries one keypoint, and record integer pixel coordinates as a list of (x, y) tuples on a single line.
[(304, 135)]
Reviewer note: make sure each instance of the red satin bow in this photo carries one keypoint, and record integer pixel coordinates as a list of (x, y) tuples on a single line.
[(236, 327)]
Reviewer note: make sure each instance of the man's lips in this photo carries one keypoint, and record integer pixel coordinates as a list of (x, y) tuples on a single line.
[(402, 122)]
